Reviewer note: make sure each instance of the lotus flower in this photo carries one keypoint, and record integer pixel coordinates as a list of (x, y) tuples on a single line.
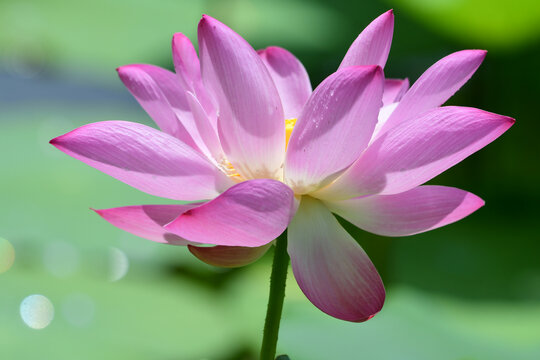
[(244, 136)]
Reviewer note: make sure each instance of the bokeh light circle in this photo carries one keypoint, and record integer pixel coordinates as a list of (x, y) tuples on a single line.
[(37, 311), (118, 264), (7, 255)]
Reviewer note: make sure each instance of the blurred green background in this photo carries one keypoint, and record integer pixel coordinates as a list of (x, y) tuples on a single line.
[(469, 291)]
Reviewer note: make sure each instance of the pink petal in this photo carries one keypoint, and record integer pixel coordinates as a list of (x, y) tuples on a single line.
[(250, 122), (188, 70), (147, 221), (372, 46), (145, 158), (212, 147), (251, 213), (437, 85), (330, 267), (415, 151), (186, 62), (334, 127), (418, 210), (228, 256), (394, 89), (161, 95), (290, 78)]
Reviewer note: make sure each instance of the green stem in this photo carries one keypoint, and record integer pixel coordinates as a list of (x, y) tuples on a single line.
[(275, 300)]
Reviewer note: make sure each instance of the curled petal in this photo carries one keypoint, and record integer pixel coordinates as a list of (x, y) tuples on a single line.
[(418, 210), (290, 77), (251, 213), (372, 46), (334, 127), (416, 151), (250, 121), (228, 256), (147, 221), (330, 267), (145, 158), (436, 85)]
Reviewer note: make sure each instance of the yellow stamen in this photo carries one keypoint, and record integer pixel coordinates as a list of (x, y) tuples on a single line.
[(289, 126), (229, 170)]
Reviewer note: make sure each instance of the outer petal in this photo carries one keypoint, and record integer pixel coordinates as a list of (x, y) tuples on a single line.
[(290, 77), (145, 158), (251, 213), (414, 152), (159, 92), (418, 210), (250, 122), (437, 85), (334, 127), (147, 221), (394, 89), (331, 268), (372, 46), (228, 256)]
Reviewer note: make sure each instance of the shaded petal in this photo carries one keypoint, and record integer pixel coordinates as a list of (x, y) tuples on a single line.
[(414, 152), (330, 267), (160, 93), (418, 210), (147, 221), (228, 256), (334, 127), (145, 158), (250, 121), (251, 213), (290, 77), (394, 89), (437, 85), (372, 46)]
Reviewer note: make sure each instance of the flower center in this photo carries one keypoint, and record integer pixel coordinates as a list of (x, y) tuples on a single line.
[(289, 126), (230, 171)]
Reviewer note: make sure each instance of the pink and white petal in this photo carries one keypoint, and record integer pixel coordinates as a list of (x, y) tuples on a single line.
[(228, 256), (290, 77), (416, 151), (147, 221), (382, 118), (251, 213), (186, 62), (250, 122), (212, 147), (415, 211), (437, 85), (334, 127), (188, 70), (372, 46), (330, 267), (145, 158), (164, 98), (394, 89)]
